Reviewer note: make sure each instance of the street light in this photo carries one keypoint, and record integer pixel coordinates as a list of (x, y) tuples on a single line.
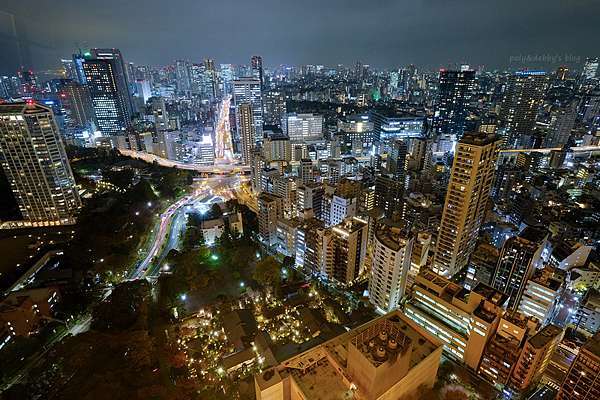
[(183, 297), (214, 257), (242, 284)]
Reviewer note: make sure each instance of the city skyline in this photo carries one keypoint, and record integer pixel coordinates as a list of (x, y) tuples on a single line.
[(430, 34)]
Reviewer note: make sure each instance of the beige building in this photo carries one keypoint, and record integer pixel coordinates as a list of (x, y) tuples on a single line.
[(466, 201), (392, 247), (535, 357), (464, 320), (270, 210), (389, 358), (345, 250), (247, 131), (583, 379)]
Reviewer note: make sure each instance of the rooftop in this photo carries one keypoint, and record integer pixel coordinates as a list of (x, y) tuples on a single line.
[(545, 336), (478, 138)]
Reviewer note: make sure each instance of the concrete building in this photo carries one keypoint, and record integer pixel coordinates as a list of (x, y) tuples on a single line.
[(345, 250), (583, 379), (466, 201), (302, 127), (270, 210), (519, 258), (392, 247), (535, 357), (24, 312), (464, 320), (34, 160), (542, 294), (246, 131), (248, 91), (387, 358)]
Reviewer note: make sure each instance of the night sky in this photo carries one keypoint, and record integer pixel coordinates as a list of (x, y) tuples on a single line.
[(384, 33)]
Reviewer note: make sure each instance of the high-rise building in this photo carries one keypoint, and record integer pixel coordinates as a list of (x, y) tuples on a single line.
[(246, 131), (535, 357), (277, 147), (464, 320), (270, 210), (160, 113), (562, 121), (397, 160), (389, 194), (590, 68), (302, 127), (466, 200), (542, 294), (256, 65), (345, 250), (518, 260), (106, 80), (77, 102), (583, 379), (518, 111), (305, 171), (392, 249), (454, 93), (36, 165), (182, 77), (247, 91), (310, 197)]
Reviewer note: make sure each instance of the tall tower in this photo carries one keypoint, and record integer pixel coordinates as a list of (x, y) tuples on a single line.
[(519, 107), (246, 130), (247, 90), (466, 200), (454, 93), (109, 90), (391, 263), (519, 257), (36, 165), (256, 64)]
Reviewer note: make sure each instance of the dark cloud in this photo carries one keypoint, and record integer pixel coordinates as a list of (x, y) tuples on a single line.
[(384, 33)]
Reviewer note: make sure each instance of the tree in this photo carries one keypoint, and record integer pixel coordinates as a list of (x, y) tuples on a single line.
[(268, 272)]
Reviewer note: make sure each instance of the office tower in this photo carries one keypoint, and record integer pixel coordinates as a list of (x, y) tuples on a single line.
[(392, 250), (583, 379), (160, 113), (246, 131), (357, 133), (562, 121), (211, 77), (396, 163), (391, 125), (69, 71), (76, 100), (454, 93), (388, 358), (518, 111), (106, 80), (345, 250), (226, 76), (535, 357), (389, 194), (270, 210), (419, 255), (305, 171), (342, 207), (590, 68), (247, 91), (182, 77), (302, 127), (465, 320), (78, 60), (36, 165), (143, 90), (256, 65), (519, 257), (275, 107), (310, 253), (466, 200)]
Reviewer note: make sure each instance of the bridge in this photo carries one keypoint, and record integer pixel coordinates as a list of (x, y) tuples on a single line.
[(205, 169)]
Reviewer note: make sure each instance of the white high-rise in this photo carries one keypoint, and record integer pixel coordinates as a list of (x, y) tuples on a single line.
[(392, 248), (36, 165), (247, 91), (301, 127)]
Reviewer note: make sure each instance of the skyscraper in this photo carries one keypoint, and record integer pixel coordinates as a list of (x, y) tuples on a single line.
[(247, 91), (106, 80), (36, 165), (270, 210), (518, 111), (345, 250), (583, 379), (246, 131), (275, 107), (256, 64), (302, 127), (466, 200), (391, 264), (454, 93), (182, 75), (590, 68), (519, 257)]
